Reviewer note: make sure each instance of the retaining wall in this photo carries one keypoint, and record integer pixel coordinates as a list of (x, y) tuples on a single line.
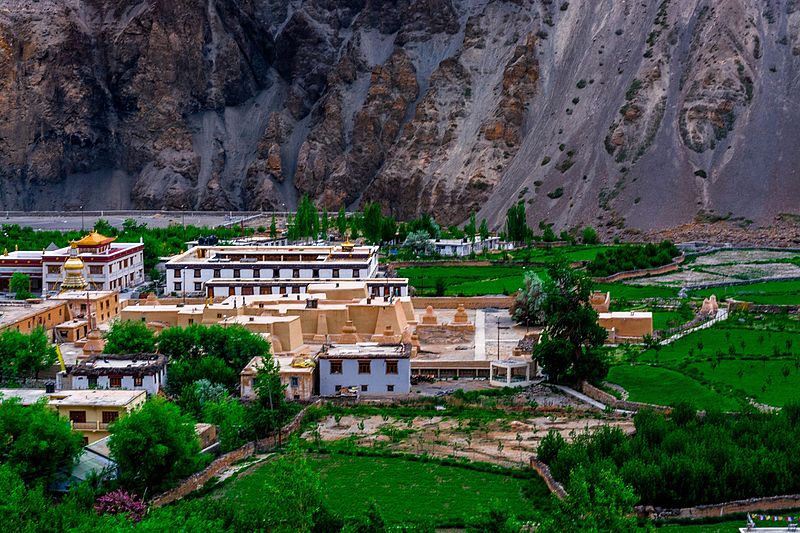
[(602, 396), (544, 471), (452, 302), (643, 273), (197, 480), (769, 503)]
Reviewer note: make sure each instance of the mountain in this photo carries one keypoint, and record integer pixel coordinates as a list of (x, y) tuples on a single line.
[(625, 115)]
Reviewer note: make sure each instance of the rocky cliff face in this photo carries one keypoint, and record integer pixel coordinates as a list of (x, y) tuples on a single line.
[(626, 115)]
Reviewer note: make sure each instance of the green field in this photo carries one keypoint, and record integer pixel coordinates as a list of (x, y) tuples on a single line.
[(407, 491), (466, 280), (622, 291), (731, 526), (768, 292), (720, 366), (662, 386)]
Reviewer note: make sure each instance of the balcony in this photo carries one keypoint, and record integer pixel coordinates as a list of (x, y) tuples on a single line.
[(85, 426)]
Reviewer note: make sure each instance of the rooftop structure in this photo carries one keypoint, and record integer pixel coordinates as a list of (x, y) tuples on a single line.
[(626, 326), (465, 246), (25, 396), (297, 375), (187, 272), (147, 372), (372, 369), (96, 398), (102, 262)]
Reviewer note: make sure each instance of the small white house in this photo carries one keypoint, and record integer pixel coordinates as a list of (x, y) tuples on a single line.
[(372, 369), (146, 372), (464, 247)]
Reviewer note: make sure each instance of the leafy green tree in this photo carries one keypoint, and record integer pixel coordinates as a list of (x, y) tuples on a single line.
[(341, 222), (388, 229), (35, 442), (372, 222), (569, 346), (517, 229), (470, 228), (154, 447), (103, 227), (604, 505), (484, 230), (271, 410), (230, 416), (273, 228), (22, 508), (495, 518), (548, 235), (418, 243), (528, 306), (20, 285), (589, 236), (324, 224), (129, 336), (24, 355)]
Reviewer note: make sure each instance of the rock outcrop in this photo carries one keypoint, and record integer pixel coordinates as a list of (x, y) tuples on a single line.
[(627, 116)]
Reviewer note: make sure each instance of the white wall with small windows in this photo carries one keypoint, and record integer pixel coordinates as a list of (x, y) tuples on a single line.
[(371, 376)]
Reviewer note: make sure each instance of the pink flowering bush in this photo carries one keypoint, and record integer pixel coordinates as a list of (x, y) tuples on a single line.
[(118, 502)]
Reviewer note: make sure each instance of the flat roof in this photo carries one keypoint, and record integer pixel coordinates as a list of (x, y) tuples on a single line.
[(26, 396), (321, 254), (626, 314), (12, 311), (83, 295), (96, 397), (366, 350)]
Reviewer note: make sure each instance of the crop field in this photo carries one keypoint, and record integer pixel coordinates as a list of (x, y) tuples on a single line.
[(719, 367), (662, 386), (624, 291), (405, 490), (768, 292), (465, 280)]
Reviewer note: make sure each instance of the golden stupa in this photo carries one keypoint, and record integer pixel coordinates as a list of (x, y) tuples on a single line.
[(73, 271)]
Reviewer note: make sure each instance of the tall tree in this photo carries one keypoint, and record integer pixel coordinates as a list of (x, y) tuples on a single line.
[(24, 355), (517, 229), (341, 222), (484, 230), (604, 506), (528, 306), (372, 221), (154, 447), (273, 228), (324, 224), (129, 336), (572, 336), (20, 285), (35, 442), (470, 229)]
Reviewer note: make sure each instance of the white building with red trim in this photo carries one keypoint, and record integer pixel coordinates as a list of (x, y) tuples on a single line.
[(109, 265)]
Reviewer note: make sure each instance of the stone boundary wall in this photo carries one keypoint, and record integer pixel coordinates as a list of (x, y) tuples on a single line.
[(544, 472), (198, 479), (737, 283), (768, 503), (643, 273), (603, 397), (452, 302)]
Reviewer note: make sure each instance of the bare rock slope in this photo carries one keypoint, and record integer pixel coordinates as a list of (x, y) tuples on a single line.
[(626, 115)]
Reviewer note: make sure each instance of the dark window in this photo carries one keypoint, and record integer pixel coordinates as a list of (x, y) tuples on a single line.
[(337, 388), (198, 286), (364, 367), (336, 367), (197, 272), (110, 416), (296, 273), (137, 380), (294, 382), (237, 273), (115, 382), (391, 367), (217, 273), (389, 388), (77, 416), (364, 388), (256, 273)]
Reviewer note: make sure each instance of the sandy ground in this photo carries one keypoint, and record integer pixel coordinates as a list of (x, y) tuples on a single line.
[(502, 442)]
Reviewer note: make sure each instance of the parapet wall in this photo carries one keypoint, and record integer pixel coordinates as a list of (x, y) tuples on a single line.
[(475, 302), (544, 471)]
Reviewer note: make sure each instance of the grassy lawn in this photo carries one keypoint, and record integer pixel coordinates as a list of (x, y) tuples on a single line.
[(407, 491), (768, 292), (465, 280), (721, 527), (662, 386), (666, 319)]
